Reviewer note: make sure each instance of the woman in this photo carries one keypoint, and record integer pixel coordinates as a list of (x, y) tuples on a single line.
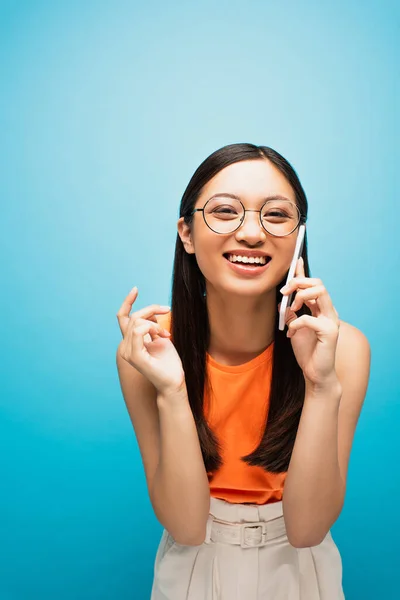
[(244, 430)]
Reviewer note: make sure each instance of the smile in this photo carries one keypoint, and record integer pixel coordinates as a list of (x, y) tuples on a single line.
[(258, 260), (248, 265)]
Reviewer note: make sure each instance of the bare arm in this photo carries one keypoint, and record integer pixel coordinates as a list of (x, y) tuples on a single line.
[(316, 481), (180, 488), (167, 436), (314, 491)]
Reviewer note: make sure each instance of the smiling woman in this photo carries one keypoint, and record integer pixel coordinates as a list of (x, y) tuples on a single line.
[(245, 431)]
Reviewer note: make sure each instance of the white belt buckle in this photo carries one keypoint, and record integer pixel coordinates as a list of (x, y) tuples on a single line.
[(262, 525)]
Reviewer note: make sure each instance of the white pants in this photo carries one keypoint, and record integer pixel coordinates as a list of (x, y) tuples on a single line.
[(246, 556)]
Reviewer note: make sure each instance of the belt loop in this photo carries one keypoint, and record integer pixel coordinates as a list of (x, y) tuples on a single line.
[(209, 524)]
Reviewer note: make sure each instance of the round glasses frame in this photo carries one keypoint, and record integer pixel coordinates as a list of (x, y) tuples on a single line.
[(301, 220)]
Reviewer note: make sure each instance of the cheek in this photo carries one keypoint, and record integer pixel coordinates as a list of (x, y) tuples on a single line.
[(208, 251), (207, 260), (283, 254), (284, 248)]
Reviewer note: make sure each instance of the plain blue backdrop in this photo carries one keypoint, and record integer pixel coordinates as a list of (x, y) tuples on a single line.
[(106, 110)]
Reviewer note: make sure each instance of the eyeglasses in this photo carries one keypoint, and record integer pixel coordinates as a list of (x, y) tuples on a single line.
[(225, 215)]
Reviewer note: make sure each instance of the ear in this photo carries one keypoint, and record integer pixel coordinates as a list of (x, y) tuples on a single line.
[(184, 233)]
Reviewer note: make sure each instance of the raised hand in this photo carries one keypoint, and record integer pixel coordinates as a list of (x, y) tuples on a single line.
[(147, 346), (314, 337)]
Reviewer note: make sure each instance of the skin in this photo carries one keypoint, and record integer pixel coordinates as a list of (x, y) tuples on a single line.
[(334, 356), (241, 309)]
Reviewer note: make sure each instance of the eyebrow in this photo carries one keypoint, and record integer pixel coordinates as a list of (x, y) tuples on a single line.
[(271, 197)]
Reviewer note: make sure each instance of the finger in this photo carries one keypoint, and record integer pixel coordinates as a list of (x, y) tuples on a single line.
[(141, 331), (322, 326), (128, 302), (126, 306), (324, 300), (290, 315), (307, 297), (153, 319), (312, 305), (149, 329), (136, 324), (165, 331), (318, 300), (324, 303), (153, 335), (299, 272), (299, 282), (303, 273), (150, 311)]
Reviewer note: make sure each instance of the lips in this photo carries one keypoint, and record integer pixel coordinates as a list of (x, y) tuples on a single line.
[(267, 259), (247, 269), (247, 253)]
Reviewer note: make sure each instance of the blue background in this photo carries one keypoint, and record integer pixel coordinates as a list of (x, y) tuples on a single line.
[(106, 110)]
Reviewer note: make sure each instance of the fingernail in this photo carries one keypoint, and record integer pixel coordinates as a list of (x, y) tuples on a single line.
[(134, 289), (165, 307), (283, 289)]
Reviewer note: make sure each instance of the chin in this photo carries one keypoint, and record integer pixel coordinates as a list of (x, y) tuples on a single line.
[(245, 289)]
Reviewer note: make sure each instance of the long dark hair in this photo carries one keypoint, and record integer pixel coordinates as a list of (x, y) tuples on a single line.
[(191, 332)]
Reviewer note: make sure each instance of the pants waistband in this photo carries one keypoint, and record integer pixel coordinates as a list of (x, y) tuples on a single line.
[(247, 535)]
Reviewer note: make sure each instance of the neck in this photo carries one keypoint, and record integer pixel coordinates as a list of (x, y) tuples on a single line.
[(240, 327)]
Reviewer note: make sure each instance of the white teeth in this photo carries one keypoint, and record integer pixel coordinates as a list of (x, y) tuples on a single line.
[(261, 260)]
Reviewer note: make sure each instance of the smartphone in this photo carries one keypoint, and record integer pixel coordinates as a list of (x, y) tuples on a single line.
[(286, 300)]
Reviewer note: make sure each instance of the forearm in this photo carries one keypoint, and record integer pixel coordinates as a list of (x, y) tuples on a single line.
[(180, 488), (314, 491)]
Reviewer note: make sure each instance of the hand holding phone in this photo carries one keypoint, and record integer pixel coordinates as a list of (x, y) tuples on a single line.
[(286, 300)]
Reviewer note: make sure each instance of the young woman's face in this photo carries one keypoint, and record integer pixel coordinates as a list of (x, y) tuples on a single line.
[(252, 181)]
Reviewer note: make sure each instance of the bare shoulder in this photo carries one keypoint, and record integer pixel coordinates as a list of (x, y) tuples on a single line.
[(352, 345), (140, 397)]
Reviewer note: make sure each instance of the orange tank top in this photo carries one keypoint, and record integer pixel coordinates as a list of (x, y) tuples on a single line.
[(236, 412)]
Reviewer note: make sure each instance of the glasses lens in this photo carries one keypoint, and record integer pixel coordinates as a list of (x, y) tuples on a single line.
[(223, 215), (280, 217)]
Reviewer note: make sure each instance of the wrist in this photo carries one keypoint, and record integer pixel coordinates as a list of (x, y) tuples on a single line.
[(329, 385), (174, 394)]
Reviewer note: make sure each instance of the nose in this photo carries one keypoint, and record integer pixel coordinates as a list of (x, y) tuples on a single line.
[(251, 229)]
